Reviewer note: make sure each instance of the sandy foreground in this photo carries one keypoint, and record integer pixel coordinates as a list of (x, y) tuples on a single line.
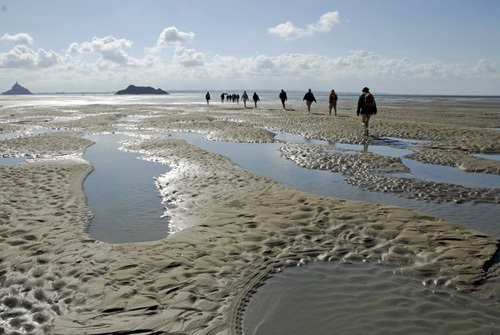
[(239, 227)]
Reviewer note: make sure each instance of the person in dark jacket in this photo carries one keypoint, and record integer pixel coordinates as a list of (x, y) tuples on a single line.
[(366, 107), (309, 98), (255, 98), (283, 98)]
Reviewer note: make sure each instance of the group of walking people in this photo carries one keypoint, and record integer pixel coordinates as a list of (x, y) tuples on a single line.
[(366, 103), (235, 98)]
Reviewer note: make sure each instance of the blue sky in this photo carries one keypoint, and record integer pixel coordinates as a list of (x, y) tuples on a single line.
[(392, 46)]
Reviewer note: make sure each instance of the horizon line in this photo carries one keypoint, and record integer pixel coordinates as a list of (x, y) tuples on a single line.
[(268, 91)]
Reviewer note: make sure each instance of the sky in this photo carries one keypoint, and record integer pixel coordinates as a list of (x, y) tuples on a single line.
[(392, 46)]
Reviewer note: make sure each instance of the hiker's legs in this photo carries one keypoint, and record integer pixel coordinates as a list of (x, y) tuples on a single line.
[(365, 119)]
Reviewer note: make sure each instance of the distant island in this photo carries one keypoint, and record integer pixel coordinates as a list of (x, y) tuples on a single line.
[(17, 90), (141, 90)]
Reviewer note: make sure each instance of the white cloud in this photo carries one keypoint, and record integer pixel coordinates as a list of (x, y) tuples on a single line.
[(23, 57), (188, 57), (264, 63), (113, 68), (290, 32), (348, 73), (171, 37), (110, 49), (19, 39), (326, 22)]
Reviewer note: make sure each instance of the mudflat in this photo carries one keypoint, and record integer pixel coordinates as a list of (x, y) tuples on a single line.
[(235, 227)]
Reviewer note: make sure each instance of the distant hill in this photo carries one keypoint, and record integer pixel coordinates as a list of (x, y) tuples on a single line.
[(17, 90), (141, 90)]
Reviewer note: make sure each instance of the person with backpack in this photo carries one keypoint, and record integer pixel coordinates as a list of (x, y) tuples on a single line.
[(366, 107)]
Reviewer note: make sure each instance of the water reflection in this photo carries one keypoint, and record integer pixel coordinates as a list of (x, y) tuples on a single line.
[(122, 194), (494, 157), (265, 159), (11, 160), (381, 150), (123, 210), (451, 175), (361, 298)]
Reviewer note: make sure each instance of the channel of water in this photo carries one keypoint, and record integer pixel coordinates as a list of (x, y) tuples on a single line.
[(265, 159), (122, 194), (126, 210)]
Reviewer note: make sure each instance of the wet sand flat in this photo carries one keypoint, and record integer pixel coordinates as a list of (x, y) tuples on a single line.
[(235, 227)]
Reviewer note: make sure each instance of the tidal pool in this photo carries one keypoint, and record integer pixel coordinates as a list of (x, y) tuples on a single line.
[(361, 298), (127, 207), (265, 159), (122, 194)]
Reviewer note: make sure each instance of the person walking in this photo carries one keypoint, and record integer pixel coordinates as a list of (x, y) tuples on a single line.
[(332, 99), (255, 98), (283, 98), (244, 97), (366, 107), (309, 98), (207, 96)]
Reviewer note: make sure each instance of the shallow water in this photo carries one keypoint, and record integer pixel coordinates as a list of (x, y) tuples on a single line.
[(494, 157), (7, 136), (122, 194), (262, 158), (376, 149), (361, 298), (11, 160), (265, 159), (446, 174), (428, 172)]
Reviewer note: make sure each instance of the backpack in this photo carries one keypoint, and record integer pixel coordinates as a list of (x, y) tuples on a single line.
[(369, 101)]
